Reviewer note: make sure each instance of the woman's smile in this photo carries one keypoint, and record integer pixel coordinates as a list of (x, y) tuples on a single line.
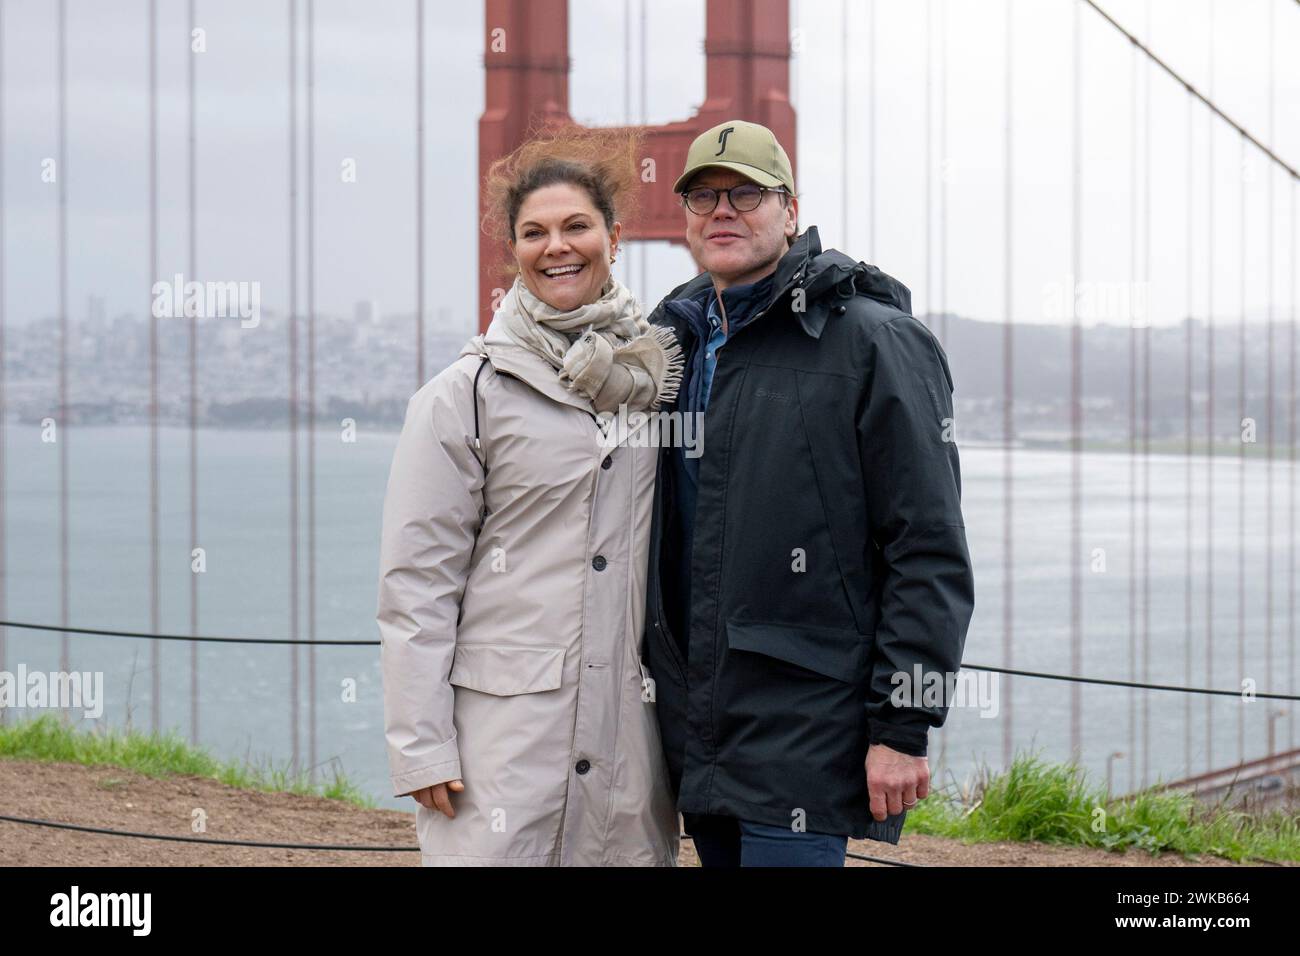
[(568, 272)]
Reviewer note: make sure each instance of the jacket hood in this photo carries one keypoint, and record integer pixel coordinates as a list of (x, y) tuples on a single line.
[(824, 270)]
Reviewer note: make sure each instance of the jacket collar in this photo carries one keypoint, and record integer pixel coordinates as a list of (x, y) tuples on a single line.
[(803, 265), (829, 278), (508, 356)]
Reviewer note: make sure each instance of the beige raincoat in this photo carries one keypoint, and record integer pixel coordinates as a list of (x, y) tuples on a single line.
[(511, 647)]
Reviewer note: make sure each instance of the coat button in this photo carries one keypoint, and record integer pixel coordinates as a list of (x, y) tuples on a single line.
[(583, 766), (607, 463), (599, 562), (841, 309)]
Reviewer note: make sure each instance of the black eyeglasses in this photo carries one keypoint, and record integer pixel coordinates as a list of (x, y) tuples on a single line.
[(743, 198)]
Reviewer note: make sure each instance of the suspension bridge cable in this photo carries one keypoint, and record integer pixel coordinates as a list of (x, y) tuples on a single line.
[(1291, 536), (63, 425), (1241, 458), (3, 290), (1140, 685), (294, 694), (1146, 413), (155, 565), (1211, 235), (929, 162), (215, 841), (1008, 377), (192, 162), (1076, 384), (1132, 406), (1189, 345), (944, 174), (311, 383), (210, 841), (184, 637), (871, 128), (1203, 97)]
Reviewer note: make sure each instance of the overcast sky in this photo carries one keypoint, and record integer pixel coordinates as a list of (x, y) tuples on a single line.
[(365, 231)]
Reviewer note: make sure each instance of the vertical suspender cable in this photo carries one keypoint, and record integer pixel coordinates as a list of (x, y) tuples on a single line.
[(1268, 390), (1209, 417), (1187, 463), (293, 380), (929, 157), (1008, 394), (311, 384), (844, 122), (871, 128), (627, 104), (1076, 409), (943, 219), (1146, 415), (4, 635), (1241, 473), (65, 663), (643, 253), (944, 174), (194, 396), (155, 583), (419, 191), (1132, 420), (1291, 439)]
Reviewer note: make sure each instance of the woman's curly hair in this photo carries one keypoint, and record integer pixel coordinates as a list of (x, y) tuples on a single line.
[(603, 162)]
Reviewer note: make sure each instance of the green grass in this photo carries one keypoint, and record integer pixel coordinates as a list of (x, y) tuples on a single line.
[(161, 755), (1031, 801), (1056, 803)]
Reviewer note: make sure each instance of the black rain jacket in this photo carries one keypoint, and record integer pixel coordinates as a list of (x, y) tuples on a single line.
[(829, 549)]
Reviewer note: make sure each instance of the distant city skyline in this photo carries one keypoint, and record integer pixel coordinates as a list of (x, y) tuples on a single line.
[(365, 370)]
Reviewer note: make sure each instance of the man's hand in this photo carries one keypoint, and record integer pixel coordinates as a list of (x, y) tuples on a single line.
[(895, 781), (437, 797)]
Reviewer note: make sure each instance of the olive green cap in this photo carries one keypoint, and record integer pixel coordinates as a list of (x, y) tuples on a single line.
[(748, 148)]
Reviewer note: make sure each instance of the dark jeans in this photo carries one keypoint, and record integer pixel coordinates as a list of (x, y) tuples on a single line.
[(726, 841)]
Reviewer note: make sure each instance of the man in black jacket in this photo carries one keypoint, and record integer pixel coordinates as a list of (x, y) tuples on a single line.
[(811, 563)]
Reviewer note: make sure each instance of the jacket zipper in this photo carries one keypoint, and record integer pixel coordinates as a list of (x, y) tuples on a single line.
[(661, 627)]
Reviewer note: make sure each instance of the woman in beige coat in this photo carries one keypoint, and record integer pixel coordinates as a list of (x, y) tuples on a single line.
[(512, 582)]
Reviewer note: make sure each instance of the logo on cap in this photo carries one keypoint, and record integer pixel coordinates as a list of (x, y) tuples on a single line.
[(722, 139)]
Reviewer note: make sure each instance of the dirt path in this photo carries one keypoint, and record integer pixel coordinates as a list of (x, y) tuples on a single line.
[(124, 800)]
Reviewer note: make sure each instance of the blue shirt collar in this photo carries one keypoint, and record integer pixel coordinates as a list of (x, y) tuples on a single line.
[(742, 302)]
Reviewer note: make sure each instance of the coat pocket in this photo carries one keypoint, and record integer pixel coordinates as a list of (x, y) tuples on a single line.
[(790, 717), (832, 652), (507, 669)]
